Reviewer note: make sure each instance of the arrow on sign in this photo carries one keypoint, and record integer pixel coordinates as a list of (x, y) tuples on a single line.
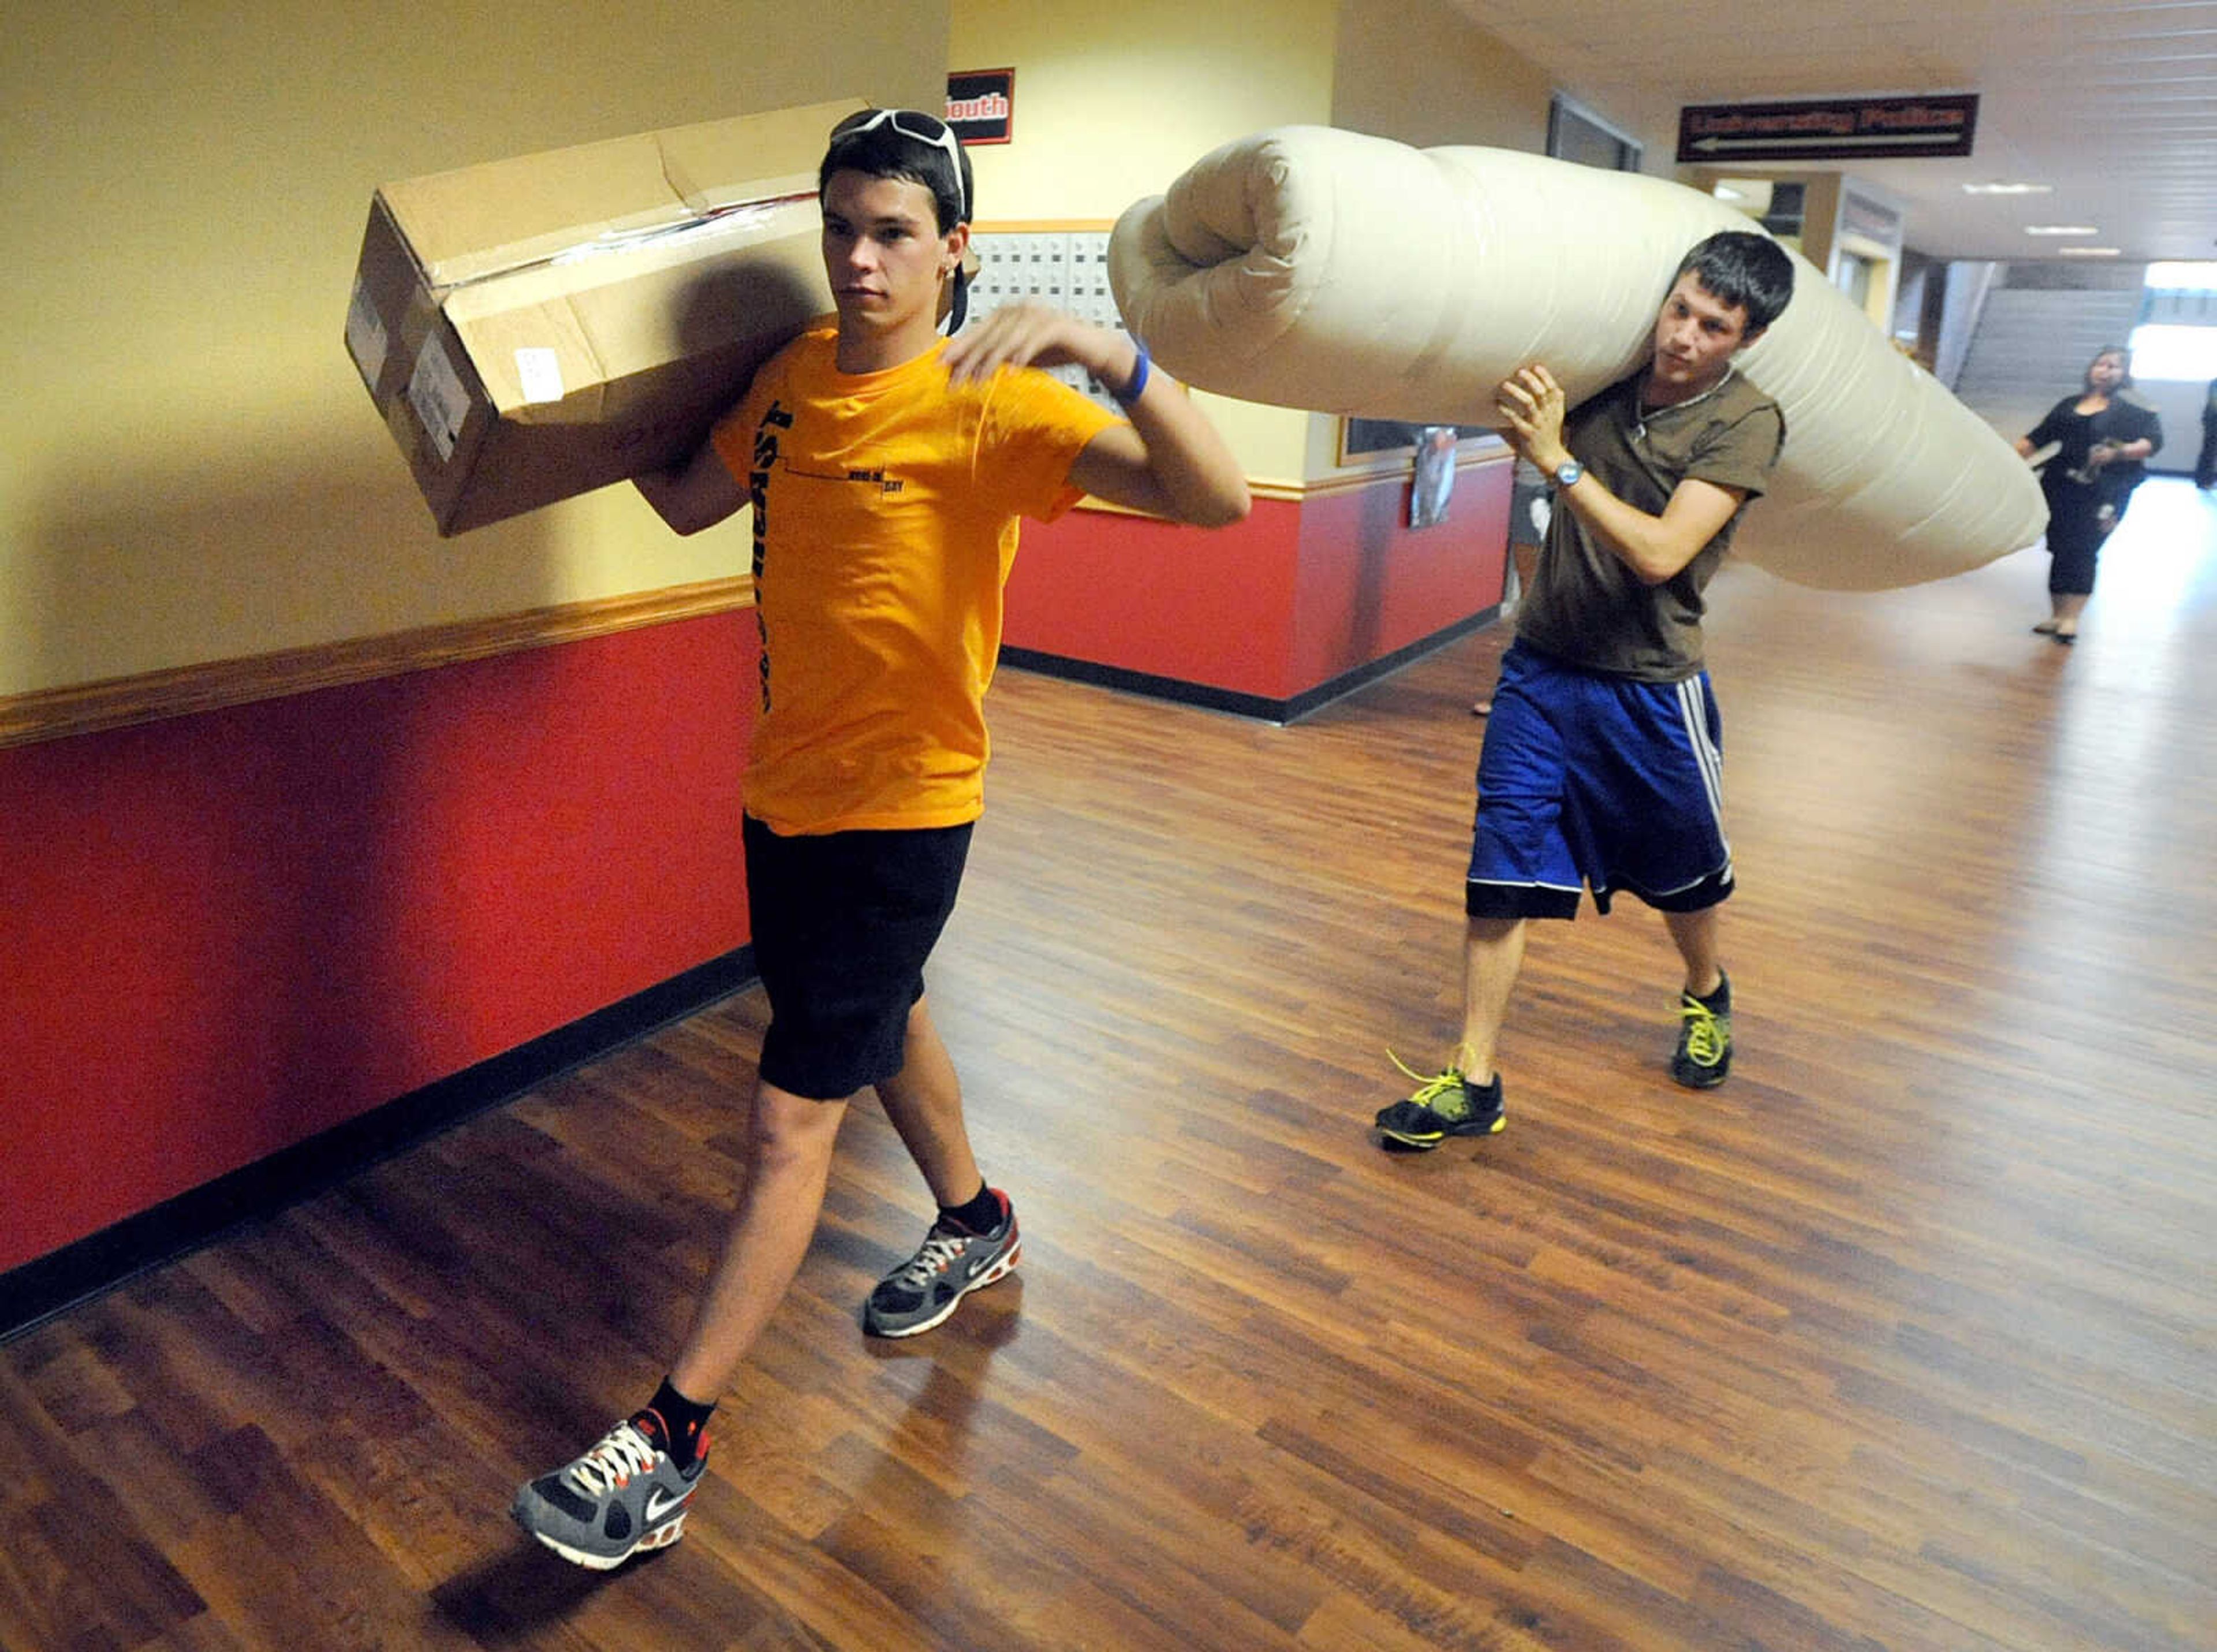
[(1712, 145)]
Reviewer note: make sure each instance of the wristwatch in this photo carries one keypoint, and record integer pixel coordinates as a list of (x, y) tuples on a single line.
[(1567, 474)]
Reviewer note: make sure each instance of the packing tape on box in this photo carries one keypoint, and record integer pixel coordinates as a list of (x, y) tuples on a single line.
[(436, 392)]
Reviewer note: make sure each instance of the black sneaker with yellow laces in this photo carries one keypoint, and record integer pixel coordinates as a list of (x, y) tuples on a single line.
[(1704, 1052), (1444, 1105)]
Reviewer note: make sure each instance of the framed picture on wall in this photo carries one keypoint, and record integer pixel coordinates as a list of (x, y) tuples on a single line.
[(1575, 133), (1371, 438), (1435, 473)]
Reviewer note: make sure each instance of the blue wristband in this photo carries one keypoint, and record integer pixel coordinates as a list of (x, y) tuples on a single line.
[(1130, 392)]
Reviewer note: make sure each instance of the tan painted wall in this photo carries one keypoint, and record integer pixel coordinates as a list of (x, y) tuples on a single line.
[(1114, 102), (189, 468), (1424, 75), (1421, 73)]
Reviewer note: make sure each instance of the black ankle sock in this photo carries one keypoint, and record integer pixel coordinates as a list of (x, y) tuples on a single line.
[(1720, 1000), (981, 1215), (682, 1423)]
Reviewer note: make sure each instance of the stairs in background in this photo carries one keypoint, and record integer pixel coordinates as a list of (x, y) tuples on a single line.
[(2032, 346)]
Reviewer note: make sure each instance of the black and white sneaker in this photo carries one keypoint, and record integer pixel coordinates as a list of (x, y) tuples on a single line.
[(951, 1263), (625, 1494)]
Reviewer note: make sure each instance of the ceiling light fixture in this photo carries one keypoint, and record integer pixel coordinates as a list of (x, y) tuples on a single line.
[(2089, 253), (2060, 229), (2009, 189)]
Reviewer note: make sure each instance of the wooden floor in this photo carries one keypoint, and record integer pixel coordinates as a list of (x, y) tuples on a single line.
[(1904, 1338)]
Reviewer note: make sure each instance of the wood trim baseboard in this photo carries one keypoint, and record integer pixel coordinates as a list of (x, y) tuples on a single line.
[(1396, 470), (1042, 225), (1398, 467), (149, 696)]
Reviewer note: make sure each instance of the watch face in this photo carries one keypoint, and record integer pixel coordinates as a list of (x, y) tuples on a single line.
[(1566, 475)]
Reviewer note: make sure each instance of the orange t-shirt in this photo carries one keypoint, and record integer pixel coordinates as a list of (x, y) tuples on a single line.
[(886, 507)]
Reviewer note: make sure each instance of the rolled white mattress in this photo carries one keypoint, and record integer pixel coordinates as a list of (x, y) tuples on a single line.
[(1308, 266)]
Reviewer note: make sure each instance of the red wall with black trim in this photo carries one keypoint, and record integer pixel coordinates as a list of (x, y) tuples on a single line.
[(222, 934), (1300, 593)]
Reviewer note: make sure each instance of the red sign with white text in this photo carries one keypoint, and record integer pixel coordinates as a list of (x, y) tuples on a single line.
[(981, 105)]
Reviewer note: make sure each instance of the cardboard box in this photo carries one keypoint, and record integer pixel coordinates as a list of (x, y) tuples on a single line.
[(533, 329)]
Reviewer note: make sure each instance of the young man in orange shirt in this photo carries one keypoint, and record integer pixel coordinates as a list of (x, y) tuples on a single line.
[(886, 467)]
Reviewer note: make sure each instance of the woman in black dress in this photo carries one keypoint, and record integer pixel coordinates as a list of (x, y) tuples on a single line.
[(2101, 439)]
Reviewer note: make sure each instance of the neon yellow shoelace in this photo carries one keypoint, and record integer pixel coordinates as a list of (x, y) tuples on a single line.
[(1429, 1090), (1705, 1033)]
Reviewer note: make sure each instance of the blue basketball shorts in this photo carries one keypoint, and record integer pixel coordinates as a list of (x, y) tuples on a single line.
[(1600, 782)]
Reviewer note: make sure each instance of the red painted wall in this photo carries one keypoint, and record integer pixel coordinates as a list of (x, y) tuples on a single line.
[(1298, 594), (1190, 605), (1370, 584), (221, 934)]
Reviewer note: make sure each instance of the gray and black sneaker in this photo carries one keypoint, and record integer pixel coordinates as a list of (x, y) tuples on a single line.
[(1444, 1105), (625, 1494), (1704, 1052), (951, 1263)]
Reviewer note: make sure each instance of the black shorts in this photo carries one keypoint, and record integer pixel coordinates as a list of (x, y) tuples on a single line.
[(842, 925)]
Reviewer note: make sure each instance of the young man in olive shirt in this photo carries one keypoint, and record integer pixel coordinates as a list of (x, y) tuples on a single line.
[(1601, 763)]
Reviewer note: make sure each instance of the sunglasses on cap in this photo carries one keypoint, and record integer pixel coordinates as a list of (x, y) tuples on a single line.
[(924, 128)]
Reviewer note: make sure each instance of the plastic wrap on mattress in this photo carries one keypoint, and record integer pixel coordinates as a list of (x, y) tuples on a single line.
[(1307, 267)]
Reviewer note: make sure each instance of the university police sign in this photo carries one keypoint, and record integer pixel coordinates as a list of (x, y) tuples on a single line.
[(1831, 129)]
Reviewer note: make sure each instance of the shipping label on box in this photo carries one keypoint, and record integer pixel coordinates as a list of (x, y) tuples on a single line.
[(536, 328)]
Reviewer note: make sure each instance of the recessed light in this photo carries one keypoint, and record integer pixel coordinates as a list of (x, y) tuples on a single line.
[(2089, 253), (2061, 229), (2009, 189)]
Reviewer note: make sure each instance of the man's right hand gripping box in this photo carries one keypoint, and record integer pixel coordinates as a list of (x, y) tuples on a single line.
[(533, 329)]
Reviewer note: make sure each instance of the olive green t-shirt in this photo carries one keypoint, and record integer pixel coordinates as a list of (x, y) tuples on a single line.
[(1585, 606)]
